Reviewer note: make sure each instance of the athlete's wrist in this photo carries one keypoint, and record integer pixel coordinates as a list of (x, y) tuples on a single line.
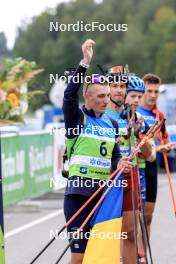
[(152, 157), (84, 64)]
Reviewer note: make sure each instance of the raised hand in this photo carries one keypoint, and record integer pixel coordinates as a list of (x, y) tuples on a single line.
[(87, 49)]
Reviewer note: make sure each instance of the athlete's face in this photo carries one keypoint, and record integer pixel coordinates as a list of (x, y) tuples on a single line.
[(118, 92), (97, 98), (134, 98), (151, 94)]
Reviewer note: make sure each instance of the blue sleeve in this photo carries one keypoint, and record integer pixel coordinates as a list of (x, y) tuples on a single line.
[(145, 127)]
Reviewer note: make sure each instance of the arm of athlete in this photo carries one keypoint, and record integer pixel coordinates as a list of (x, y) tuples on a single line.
[(168, 145), (148, 152), (117, 159), (73, 115)]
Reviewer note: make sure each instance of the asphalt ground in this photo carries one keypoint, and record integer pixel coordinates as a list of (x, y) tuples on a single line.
[(30, 225)]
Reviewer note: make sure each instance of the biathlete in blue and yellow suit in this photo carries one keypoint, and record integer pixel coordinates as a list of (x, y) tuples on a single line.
[(129, 89), (149, 111), (134, 96), (92, 155)]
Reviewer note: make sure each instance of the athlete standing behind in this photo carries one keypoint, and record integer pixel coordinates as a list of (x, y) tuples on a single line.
[(148, 110), (134, 96), (119, 91)]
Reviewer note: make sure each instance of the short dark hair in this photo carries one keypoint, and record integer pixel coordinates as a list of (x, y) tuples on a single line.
[(151, 78)]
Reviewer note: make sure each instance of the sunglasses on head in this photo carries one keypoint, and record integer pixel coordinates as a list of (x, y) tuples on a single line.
[(96, 79)]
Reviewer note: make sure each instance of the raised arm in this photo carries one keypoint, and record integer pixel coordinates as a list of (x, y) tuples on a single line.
[(72, 113)]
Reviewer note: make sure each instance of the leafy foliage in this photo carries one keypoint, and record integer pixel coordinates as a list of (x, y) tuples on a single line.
[(147, 46), (14, 97)]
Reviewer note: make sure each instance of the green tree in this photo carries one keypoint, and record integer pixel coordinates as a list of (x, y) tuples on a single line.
[(162, 43), (147, 46), (4, 52)]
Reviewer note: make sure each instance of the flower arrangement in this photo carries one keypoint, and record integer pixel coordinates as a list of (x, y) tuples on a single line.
[(14, 77)]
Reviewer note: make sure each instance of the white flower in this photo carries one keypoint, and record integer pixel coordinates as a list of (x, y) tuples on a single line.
[(15, 111), (23, 106)]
